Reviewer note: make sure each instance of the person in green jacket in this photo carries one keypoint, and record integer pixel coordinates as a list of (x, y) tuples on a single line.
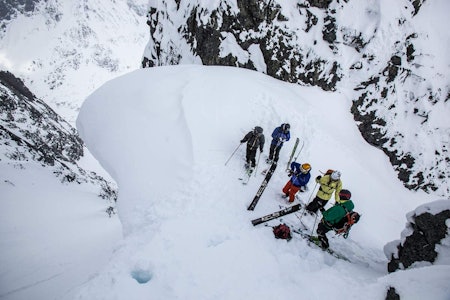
[(329, 183), (339, 218)]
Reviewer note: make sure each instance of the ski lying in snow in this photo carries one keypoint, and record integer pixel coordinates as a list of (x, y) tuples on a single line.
[(263, 186), (292, 154), (314, 242), (277, 214)]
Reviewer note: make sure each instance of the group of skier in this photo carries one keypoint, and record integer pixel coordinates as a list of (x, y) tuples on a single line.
[(339, 217), (255, 139)]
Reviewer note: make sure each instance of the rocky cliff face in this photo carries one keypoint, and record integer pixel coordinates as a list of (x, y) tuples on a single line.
[(425, 240), (10, 8), (380, 52), (257, 35), (31, 132)]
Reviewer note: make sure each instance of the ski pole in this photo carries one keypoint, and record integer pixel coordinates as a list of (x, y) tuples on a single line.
[(312, 230), (233, 153), (309, 201), (312, 192)]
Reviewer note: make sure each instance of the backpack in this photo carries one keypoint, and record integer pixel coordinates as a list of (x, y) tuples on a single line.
[(328, 172), (350, 218), (282, 231)]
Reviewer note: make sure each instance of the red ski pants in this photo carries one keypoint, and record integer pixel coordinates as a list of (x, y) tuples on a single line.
[(291, 190)]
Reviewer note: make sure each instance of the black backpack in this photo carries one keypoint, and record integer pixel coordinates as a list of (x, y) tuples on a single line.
[(282, 231)]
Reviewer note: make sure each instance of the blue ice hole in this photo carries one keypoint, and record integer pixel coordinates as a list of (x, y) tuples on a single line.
[(141, 276)]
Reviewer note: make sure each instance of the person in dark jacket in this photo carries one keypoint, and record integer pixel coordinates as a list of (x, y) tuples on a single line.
[(279, 136), (255, 139), (339, 218), (300, 175)]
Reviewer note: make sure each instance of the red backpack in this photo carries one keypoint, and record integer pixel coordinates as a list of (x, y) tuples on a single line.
[(282, 231), (328, 172), (351, 218)]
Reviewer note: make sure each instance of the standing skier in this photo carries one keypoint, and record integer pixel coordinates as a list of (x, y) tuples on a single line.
[(300, 175), (339, 218), (255, 139), (279, 136), (329, 183)]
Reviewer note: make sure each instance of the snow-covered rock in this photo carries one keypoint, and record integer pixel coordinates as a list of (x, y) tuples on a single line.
[(64, 50), (425, 240), (388, 57), (32, 133)]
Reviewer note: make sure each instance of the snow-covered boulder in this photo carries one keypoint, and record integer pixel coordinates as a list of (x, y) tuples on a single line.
[(425, 240)]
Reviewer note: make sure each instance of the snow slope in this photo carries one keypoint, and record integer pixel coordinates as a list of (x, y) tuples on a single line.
[(76, 47), (164, 135), (54, 236)]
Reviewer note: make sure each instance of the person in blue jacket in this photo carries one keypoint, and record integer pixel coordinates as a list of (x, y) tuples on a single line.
[(300, 175), (279, 136)]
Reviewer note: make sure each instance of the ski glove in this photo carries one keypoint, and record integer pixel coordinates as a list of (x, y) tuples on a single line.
[(318, 178)]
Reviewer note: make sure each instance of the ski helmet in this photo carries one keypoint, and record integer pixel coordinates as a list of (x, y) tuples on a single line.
[(285, 127), (336, 175), (345, 195), (258, 130), (305, 168)]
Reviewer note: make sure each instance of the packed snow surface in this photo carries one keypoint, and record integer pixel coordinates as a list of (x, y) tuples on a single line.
[(164, 134)]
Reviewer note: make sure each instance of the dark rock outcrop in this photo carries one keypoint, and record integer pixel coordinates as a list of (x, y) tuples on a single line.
[(380, 109), (426, 229), (257, 26), (392, 294), (11, 7)]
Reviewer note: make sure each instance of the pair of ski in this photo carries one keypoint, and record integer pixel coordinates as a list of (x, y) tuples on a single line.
[(268, 174), (314, 242)]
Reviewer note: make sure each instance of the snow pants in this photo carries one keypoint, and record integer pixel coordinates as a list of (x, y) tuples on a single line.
[(316, 204), (322, 229), (274, 153), (291, 190), (251, 155)]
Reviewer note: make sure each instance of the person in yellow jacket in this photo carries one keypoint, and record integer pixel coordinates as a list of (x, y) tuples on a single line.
[(329, 183)]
